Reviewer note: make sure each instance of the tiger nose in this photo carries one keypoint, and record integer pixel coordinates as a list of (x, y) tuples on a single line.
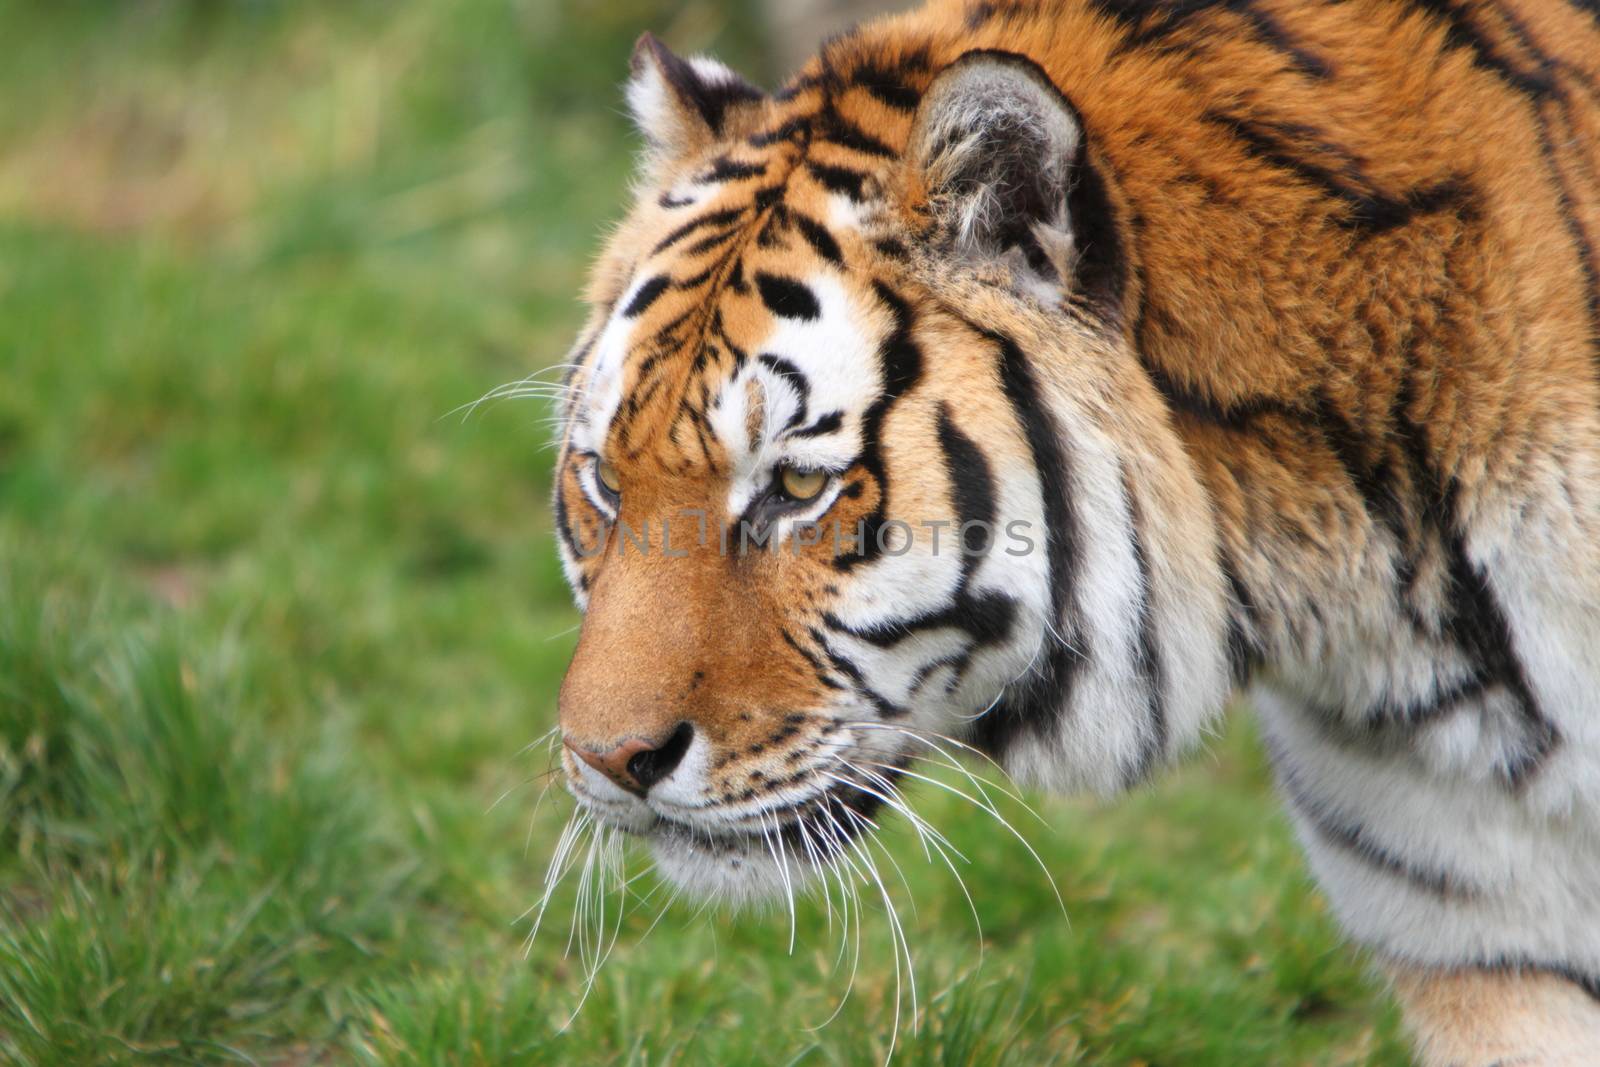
[(637, 764)]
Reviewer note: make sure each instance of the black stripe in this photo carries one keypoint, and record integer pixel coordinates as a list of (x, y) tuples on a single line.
[(1479, 625), (887, 87), (767, 197), (817, 236), (1462, 34), (664, 333), (972, 488), (788, 131), (816, 664), (563, 518), (706, 244), (1473, 616), (887, 708), (890, 246), (1152, 22), (1036, 704), (787, 298), (1373, 482), (841, 131), (580, 355), (900, 361), (797, 381), (1275, 37), (1149, 651), (1439, 704), (699, 278), (796, 86), (957, 663), (980, 14), (740, 356), (1233, 415), (1366, 208), (1588, 255), (824, 425), (1244, 652), (1338, 828), (726, 170), (838, 179), (1589, 260), (773, 229), (646, 295), (987, 618), (715, 218)]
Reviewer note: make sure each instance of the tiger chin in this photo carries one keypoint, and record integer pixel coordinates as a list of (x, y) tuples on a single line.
[(1034, 377)]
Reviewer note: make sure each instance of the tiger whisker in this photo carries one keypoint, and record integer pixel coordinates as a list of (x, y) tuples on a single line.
[(941, 844), (850, 896), (555, 874), (897, 935), (788, 883), (1001, 819), (936, 741)]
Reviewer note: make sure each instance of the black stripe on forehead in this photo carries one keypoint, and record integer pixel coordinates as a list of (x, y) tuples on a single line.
[(797, 381), (647, 294), (818, 237), (787, 298), (824, 425), (726, 170), (694, 225)]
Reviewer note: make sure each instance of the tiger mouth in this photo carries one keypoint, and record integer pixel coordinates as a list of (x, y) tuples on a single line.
[(821, 826), (807, 836)]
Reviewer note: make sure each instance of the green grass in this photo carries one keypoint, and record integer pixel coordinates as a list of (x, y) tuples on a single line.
[(274, 633)]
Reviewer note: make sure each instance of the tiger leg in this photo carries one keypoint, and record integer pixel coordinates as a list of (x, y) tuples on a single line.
[(1478, 1018)]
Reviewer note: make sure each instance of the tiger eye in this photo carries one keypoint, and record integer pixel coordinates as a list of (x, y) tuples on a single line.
[(802, 485), (607, 473)]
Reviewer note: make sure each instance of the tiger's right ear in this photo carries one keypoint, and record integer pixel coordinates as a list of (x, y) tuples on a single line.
[(999, 151), (682, 106)]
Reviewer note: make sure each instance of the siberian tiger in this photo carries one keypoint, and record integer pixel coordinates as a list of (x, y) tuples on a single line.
[(1247, 344)]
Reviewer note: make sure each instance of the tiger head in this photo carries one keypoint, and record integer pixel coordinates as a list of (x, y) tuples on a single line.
[(857, 469)]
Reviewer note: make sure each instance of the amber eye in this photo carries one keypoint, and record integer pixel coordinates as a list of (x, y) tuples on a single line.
[(607, 473), (802, 485)]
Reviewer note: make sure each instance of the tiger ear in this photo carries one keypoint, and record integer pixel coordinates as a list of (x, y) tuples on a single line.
[(997, 148), (683, 105)]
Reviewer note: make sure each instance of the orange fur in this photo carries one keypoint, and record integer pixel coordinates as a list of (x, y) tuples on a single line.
[(1355, 313)]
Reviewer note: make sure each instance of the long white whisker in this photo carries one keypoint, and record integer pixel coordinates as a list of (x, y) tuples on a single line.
[(1001, 819), (941, 844), (788, 883), (897, 935)]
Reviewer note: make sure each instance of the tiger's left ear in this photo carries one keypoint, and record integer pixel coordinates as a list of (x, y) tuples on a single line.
[(683, 106), (998, 149)]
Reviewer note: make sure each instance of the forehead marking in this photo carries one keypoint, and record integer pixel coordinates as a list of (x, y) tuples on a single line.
[(787, 298), (645, 295)]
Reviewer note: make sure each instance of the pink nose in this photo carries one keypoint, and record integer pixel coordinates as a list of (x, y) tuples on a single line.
[(636, 764)]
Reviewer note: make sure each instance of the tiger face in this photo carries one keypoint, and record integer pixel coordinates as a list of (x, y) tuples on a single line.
[(827, 510)]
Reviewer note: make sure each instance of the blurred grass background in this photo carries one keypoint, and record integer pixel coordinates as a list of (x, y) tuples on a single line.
[(274, 632)]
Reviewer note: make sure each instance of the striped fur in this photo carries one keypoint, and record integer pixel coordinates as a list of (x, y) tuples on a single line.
[(1270, 329)]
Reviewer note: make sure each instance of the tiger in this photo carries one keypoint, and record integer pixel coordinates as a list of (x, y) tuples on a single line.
[(1236, 348)]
